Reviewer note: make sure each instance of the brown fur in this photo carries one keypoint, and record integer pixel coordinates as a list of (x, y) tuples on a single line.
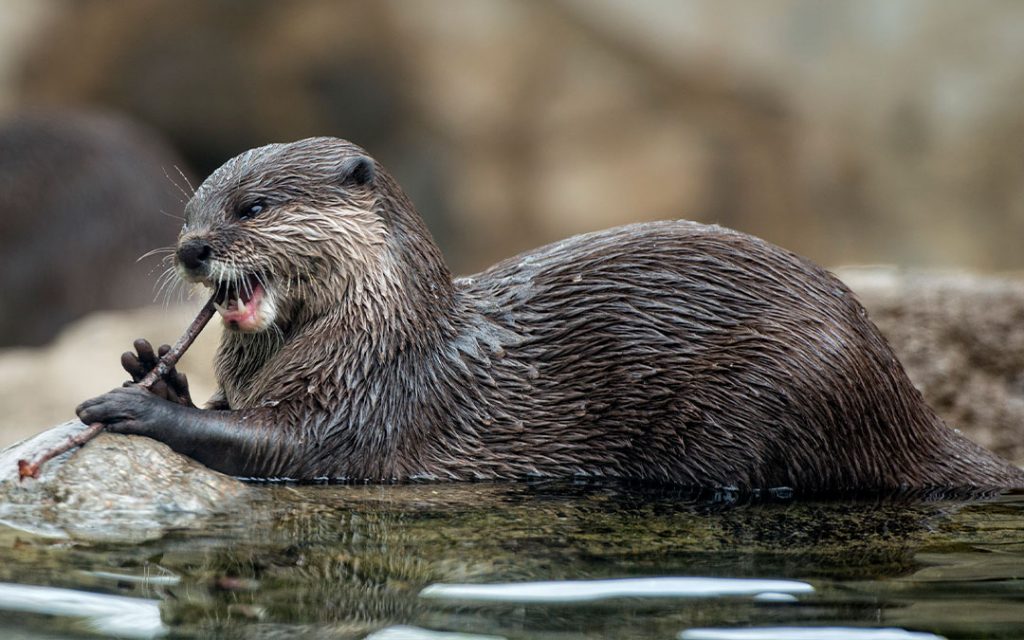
[(670, 351)]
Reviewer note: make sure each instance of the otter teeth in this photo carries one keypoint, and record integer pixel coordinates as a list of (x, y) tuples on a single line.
[(219, 307)]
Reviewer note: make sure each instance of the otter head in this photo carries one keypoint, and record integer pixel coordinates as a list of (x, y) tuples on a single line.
[(284, 230)]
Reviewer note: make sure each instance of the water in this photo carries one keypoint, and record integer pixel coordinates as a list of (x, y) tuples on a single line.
[(558, 561)]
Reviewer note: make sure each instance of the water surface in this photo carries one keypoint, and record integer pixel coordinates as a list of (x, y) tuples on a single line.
[(558, 561)]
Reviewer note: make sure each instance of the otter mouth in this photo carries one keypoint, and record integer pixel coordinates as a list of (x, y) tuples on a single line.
[(240, 302)]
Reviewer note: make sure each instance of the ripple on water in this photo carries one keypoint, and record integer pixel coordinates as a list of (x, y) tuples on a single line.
[(806, 633), (561, 591)]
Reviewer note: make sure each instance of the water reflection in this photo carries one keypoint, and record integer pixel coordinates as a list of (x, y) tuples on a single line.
[(805, 633), (404, 632), (591, 590), (104, 614), (351, 561)]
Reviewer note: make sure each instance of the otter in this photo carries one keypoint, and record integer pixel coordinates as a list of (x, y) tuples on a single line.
[(669, 351)]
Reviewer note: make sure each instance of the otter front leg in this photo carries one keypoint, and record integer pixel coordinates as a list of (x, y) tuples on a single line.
[(239, 443)]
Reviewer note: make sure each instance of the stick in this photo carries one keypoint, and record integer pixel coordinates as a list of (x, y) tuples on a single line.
[(28, 469)]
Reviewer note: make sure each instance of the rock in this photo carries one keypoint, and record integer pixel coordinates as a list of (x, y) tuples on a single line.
[(123, 488), (512, 124), (82, 196)]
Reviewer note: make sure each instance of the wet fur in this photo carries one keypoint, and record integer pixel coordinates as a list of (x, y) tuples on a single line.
[(670, 351)]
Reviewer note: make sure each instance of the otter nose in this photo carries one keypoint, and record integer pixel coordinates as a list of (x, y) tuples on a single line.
[(194, 254)]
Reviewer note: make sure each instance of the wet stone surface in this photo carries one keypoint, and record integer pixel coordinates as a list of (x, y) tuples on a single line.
[(114, 488)]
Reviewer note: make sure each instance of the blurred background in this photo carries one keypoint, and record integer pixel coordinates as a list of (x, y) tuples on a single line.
[(861, 131)]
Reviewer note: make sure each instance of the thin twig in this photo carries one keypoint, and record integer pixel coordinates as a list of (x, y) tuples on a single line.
[(28, 469)]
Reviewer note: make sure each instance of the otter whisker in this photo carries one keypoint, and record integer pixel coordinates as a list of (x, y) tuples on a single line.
[(153, 252), (178, 186), (174, 286), (185, 178), (171, 215), (185, 292), (247, 287), (261, 278), (165, 284)]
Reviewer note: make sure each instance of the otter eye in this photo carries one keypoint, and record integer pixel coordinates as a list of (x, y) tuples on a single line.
[(250, 209)]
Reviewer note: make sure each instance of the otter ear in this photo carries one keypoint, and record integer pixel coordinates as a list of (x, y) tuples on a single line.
[(358, 171)]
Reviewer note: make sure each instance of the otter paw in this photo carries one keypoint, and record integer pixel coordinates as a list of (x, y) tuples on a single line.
[(173, 386), (125, 410)]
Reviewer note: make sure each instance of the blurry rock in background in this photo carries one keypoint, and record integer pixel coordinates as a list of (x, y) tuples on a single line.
[(82, 197), (862, 131)]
